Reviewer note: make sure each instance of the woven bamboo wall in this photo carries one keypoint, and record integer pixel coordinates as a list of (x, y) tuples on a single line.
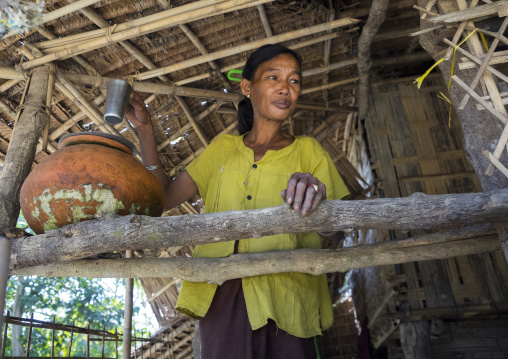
[(413, 149), (340, 341)]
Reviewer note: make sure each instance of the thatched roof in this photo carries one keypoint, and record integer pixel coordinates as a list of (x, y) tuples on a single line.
[(327, 113)]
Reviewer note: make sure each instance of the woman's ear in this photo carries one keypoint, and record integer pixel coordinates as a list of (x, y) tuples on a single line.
[(245, 87)]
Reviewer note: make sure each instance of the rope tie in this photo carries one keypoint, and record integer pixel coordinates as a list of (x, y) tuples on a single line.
[(38, 107), (137, 74), (26, 73), (130, 80), (98, 80), (110, 31), (173, 87), (46, 71)]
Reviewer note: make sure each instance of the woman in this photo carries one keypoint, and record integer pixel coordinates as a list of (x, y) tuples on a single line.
[(268, 316)]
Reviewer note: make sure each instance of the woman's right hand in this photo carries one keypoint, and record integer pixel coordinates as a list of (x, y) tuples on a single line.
[(136, 112)]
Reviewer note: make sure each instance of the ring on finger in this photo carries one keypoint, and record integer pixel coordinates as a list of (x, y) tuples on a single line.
[(316, 188)]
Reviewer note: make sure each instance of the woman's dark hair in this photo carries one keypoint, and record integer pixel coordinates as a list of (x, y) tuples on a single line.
[(261, 55)]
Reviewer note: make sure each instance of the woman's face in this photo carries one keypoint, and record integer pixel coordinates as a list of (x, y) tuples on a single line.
[(274, 88)]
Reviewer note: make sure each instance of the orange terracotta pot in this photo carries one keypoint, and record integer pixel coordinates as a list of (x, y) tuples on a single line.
[(90, 173)]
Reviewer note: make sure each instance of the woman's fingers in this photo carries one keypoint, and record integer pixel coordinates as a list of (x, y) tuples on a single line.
[(283, 194), (291, 190), (136, 111), (301, 192)]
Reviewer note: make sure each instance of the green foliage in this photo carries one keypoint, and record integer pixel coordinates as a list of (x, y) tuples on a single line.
[(81, 301), (78, 301), (21, 223)]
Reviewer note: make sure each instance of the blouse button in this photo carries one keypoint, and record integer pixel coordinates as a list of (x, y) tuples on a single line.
[(249, 197), (254, 166)]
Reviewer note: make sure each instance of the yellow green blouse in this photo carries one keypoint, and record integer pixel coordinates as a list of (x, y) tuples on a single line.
[(228, 179)]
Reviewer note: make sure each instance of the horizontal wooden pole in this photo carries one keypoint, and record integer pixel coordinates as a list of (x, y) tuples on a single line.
[(311, 261), (438, 177), (419, 211), (151, 87), (248, 46), (116, 35), (481, 11)]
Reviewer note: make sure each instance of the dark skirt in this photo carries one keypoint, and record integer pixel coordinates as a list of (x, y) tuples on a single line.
[(226, 332)]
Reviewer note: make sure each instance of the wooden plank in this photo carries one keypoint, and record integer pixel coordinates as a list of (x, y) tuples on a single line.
[(438, 177), (415, 292), (381, 145), (497, 288), (421, 111), (471, 13), (436, 284), (443, 156)]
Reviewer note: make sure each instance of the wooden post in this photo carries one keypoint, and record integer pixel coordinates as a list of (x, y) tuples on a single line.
[(70, 341), (29, 335), (88, 341), (21, 152), (18, 162), (116, 343), (53, 339), (376, 18), (4, 339), (127, 317), (103, 337), (5, 252), (415, 340)]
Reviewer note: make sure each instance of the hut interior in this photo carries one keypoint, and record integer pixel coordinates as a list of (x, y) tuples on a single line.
[(388, 138)]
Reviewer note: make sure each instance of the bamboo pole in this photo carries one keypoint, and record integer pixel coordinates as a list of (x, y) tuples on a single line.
[(29, 339), (5, 252), (249, 46), (151, 87), (264, 20), (194, 39), (188, 126), (186, 109), (492, 70), (51, 86), (329, 86), (242, 63), (199, 151), (73, 120), (127, 317), (4, 339), (64, 10), (485, 62), (77, 97), (113, 37), (72, 39)]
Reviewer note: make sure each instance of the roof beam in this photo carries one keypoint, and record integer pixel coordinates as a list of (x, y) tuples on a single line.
[(132, 50), (264, 20), (248, 46), (113, 34)]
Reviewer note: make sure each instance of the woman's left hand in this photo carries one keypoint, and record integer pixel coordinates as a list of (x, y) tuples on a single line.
[(302, 193)]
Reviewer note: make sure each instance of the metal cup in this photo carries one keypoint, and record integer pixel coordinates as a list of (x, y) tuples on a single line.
[(117, 99)]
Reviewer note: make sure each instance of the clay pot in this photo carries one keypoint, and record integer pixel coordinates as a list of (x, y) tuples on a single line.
[(91, 173)]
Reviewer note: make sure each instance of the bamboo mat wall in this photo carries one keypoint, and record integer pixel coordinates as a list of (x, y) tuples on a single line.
[(414, 150)]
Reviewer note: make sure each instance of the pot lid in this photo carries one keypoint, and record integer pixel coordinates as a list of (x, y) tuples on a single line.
[(109, 136)]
